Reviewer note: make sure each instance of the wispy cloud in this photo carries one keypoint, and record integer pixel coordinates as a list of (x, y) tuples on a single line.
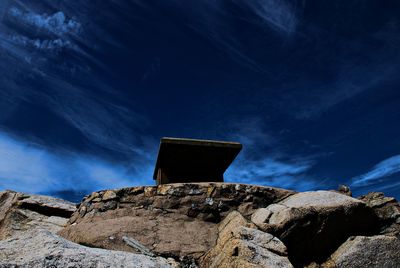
[(279, 15), (348, 84), (263, 161), (213, 21), (56, 23), (380, 171), (69, 88), (41, 44), (42, 31), (32, 168), (290, 174)]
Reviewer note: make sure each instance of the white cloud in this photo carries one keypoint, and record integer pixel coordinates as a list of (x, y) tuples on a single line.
[(22, 31), (383, 169), (56, 23), (32, 168), (26, 54)]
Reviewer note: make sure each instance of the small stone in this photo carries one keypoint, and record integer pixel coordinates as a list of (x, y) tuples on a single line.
[(92, 196), (163, 189), (82, 211), (209, 201), (150, 191), (210, 190), (109, 195), (344, 189), (137, 190), (195, 192), (110, 205), (74, 217)]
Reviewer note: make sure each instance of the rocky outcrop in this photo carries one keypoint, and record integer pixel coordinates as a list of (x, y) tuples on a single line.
[(313, 224), (239, 244), (361, 251), (41, 248), (387, 210), (200, 225), (21, 212), (170, 220)]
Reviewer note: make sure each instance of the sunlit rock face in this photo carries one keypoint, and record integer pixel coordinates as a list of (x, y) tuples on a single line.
[(178, 219)]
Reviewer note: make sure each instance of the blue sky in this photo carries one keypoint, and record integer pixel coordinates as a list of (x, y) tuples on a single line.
[(311, 89)]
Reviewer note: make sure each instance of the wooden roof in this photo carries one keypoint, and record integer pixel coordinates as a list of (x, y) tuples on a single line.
[(185, 156)]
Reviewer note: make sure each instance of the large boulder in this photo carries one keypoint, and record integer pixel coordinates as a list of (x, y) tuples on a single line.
[(41, 248), (240, 245), (387, 210), (313, 224), (21, 212), (170, 220), (359, 252)]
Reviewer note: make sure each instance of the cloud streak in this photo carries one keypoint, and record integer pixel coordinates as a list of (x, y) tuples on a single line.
[(272, 172), (68, 88), (279, 15), (30, 167), (382, 170), (263, 162), (213, 21)]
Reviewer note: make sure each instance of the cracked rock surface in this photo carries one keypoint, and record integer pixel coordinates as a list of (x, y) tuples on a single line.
[(174, 219), (313, 224), (41, 248), (200, 225), (20, 212), (240, 244)]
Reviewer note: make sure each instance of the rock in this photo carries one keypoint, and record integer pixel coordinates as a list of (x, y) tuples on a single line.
[(136, 245), (344, 189), (358, 252), (46, 205), (241, 246), (313, 224), (20, 212), (230, 224), (387, 209), (156, 215), (109, 195), (205, 224), (44, 249), (319, 200), (262, 216)]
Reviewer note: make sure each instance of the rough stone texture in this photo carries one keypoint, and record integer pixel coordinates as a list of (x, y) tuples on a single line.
[(41, 248), (359, 252), (241, 246), (20, 212), (173, 220), (387, 210), (206, 224), (313, 224)]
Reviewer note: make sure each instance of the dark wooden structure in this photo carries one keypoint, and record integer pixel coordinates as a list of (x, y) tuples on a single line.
[(189, 160)]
